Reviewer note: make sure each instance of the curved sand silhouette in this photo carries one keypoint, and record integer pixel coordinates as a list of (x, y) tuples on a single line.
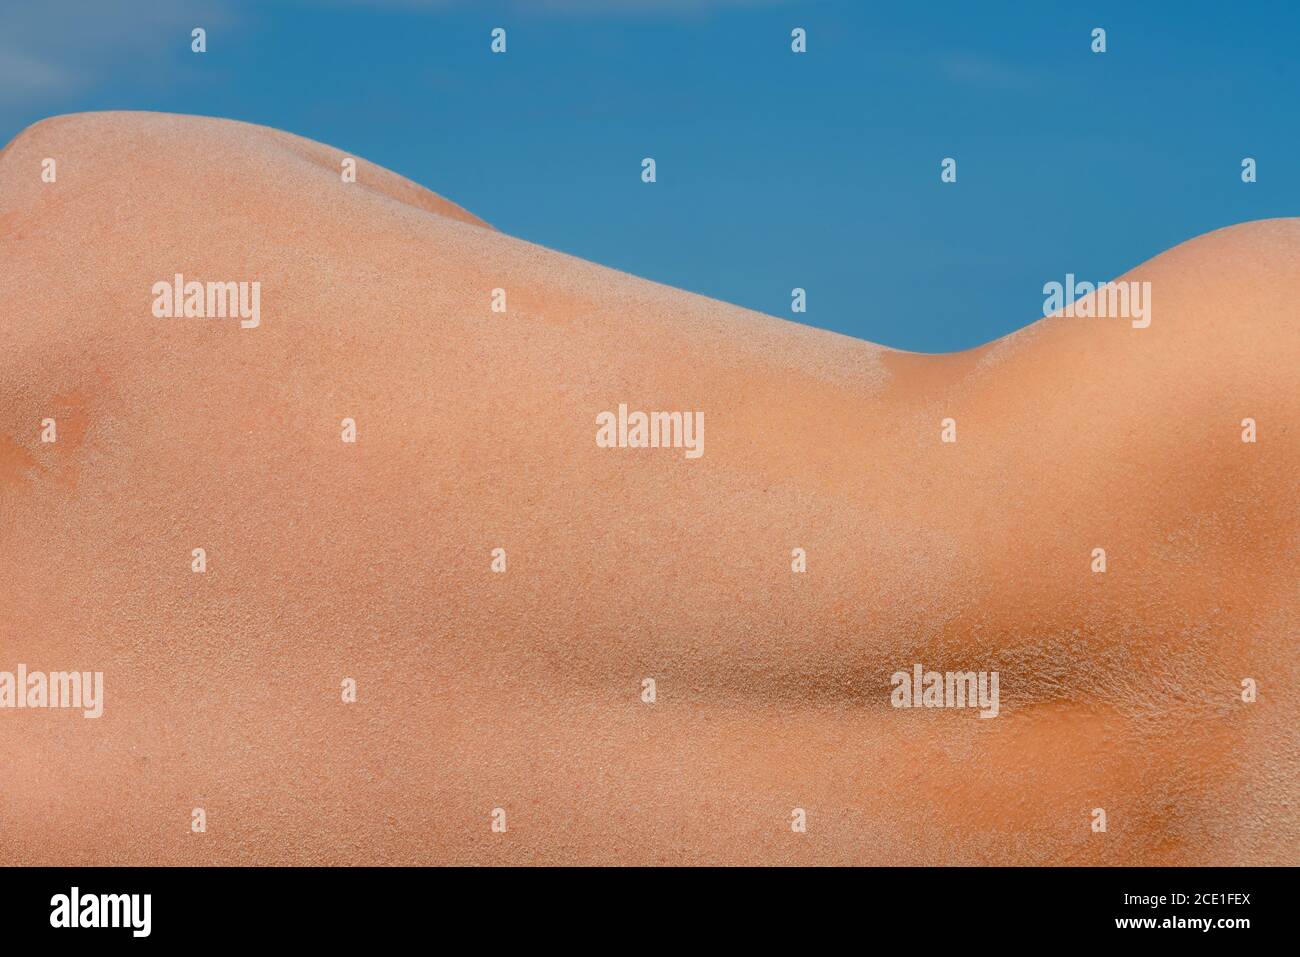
[(522, 690)]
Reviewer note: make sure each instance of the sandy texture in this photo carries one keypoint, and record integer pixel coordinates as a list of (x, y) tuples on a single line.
[(522, 690)]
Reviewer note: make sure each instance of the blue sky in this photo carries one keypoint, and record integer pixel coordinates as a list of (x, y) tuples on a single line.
[(775, 170)]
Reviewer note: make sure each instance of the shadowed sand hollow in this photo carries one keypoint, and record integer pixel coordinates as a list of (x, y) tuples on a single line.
[(522, 691)]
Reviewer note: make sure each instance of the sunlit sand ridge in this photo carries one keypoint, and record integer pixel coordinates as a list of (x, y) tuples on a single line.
[(523, 690)]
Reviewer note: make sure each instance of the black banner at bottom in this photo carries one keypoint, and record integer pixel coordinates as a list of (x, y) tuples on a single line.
[(211, 906)]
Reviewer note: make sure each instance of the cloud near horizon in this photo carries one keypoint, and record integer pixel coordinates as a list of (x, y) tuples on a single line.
[(575, 7), (54, 49)]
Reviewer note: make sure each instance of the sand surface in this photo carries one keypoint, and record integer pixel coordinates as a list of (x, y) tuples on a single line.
[(523, 691)]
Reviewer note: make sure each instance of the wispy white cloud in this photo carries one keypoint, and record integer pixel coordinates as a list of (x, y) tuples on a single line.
[(23, 76), (53, 48), (978, 70), (639, 6), (575, 7)]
